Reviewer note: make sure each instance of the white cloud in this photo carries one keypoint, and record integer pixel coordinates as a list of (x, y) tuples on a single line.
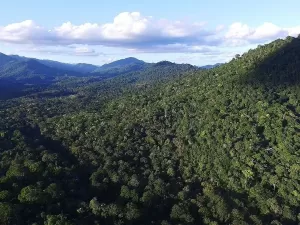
[(268, 31), (126, 30), (138, 33), (220, 28), (294, 31), (125, 26), (22, 32), (242, 34), (238, 31)]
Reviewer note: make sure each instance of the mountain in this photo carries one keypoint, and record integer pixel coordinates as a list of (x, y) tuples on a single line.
[(31, 70), (120, 66), (164, 63), (106, 71), (121, 63), (85, 68), (150, 76), (223, 142), (26, 69), (20, 71), (79, 68), (4, 59), (20, 58), (211, 66), (167, 144)]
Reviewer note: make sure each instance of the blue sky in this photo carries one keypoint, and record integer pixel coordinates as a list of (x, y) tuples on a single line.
[(190, 31)]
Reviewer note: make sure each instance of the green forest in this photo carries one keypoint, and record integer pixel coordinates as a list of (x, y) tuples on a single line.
[(164, 143)]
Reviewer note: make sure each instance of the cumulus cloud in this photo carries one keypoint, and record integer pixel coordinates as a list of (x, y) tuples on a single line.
[(138, 33), (23, 32), (126, 30), (241, 34)]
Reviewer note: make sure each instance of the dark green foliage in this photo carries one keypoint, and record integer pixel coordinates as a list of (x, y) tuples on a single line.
[(165, 145)]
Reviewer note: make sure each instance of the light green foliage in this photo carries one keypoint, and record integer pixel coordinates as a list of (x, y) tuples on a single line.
[(57, 220), (6, 213), (31, 194)]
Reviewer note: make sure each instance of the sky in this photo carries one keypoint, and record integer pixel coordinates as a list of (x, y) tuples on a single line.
[(98, 32)]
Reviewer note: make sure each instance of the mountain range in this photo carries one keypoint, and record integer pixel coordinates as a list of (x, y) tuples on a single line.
[(19, 73), (162, 144), (127, 64), (19, 67)]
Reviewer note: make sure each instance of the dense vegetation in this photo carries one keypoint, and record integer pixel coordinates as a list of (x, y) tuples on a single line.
[(165, 145)]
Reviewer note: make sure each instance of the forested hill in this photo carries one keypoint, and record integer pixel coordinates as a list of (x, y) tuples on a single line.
[(4, 59), (218, 146), (121, 63), (120, 66), (18, 70), (26, 77)]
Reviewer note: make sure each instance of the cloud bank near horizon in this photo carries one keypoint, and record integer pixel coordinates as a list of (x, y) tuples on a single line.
[(141, 34)]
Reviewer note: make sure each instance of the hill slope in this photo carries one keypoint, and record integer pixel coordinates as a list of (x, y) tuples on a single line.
[(30, 69)]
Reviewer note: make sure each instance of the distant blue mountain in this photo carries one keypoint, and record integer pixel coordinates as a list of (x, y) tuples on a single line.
[(22, 68), (210, 66), (121, 63), (80, 67), (4, 59), (122, 66)]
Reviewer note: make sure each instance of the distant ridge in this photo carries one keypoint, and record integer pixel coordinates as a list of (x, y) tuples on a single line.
[(37, 70), (4, 59), (127, 62), (80, 67), (164, 63), (211, 66)]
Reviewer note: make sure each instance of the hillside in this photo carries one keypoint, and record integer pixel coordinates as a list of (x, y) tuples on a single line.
[(22, 68), (121, 63), (91, 92), (79, 68), (4, 59), (216, 146), (31, 70), (15, 77), (120, 67)]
